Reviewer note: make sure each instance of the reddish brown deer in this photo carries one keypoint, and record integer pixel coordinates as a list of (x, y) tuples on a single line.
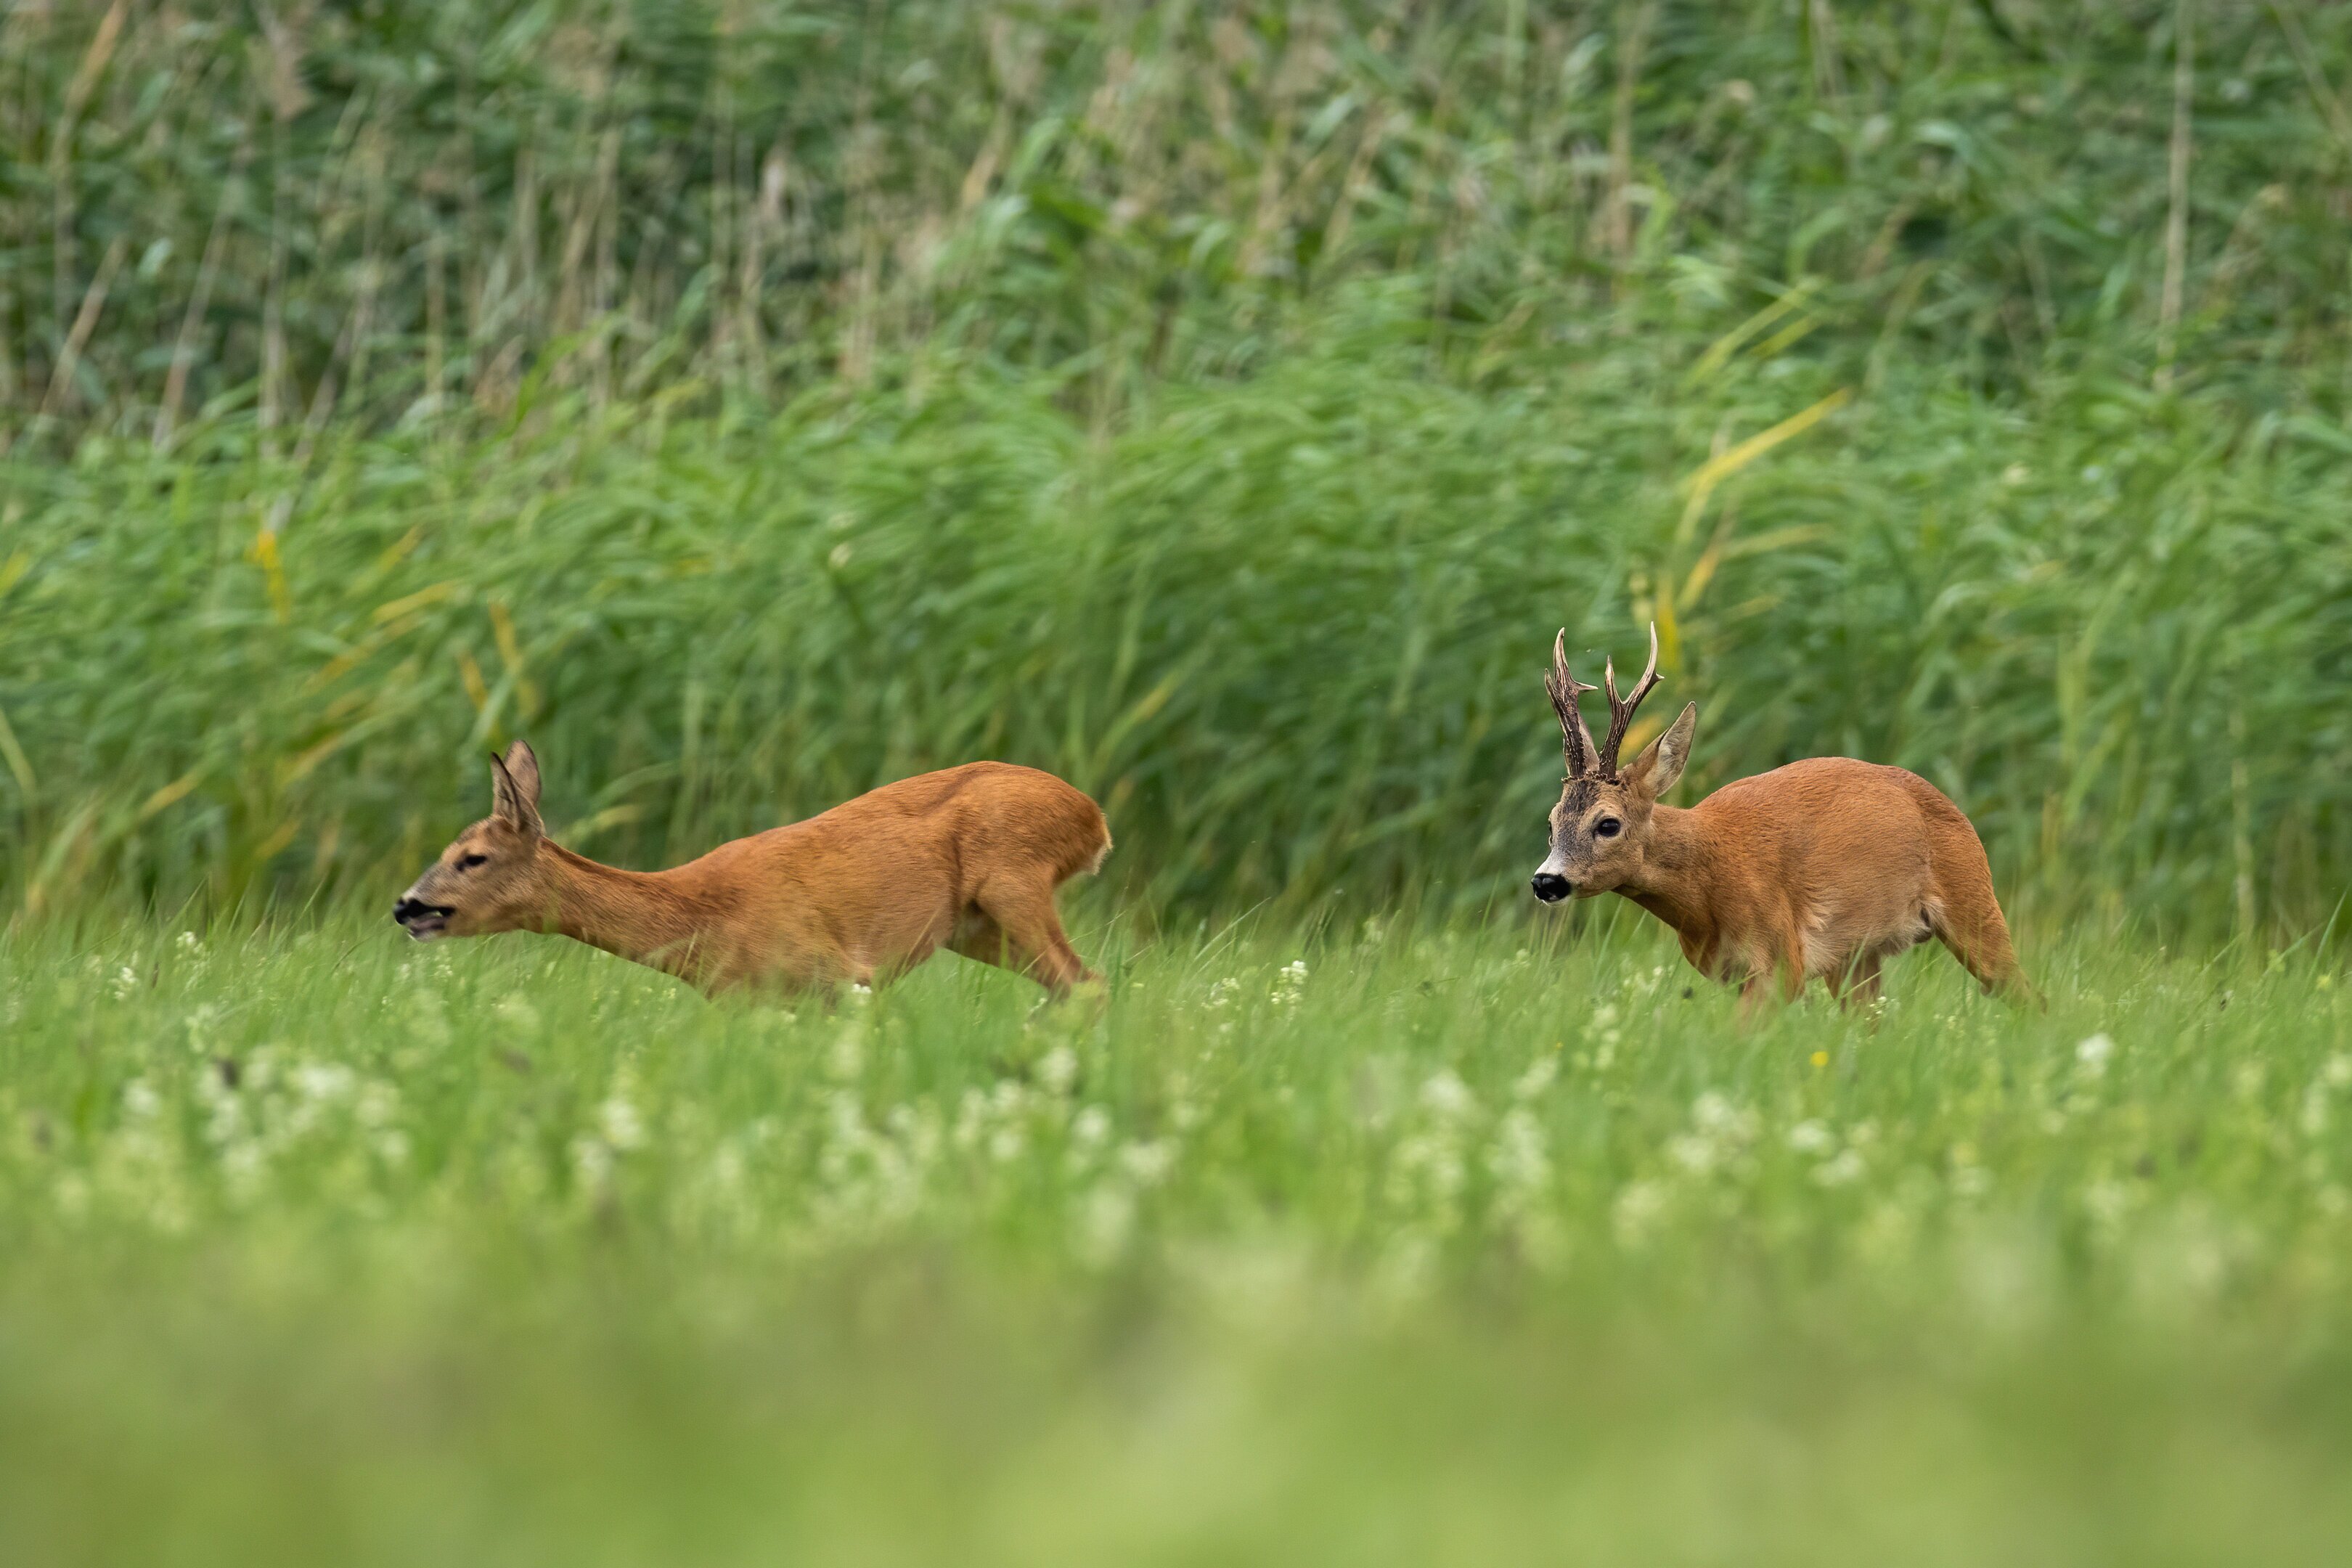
[(1825, 867), (967, 859)]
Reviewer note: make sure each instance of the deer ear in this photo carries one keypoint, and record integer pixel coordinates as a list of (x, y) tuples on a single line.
[(514, 788), (1660, 765)]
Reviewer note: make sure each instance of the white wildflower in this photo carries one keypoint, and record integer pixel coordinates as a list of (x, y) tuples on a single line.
[(1810, 1137), (1447, 1097), (1537, 1079), (324, 1083), (1518, 1162), (1058, 1070), (1712, 1113), (618, 1122), (1693, 1153), (1290, 983), (592, 1161), (2092, 1054), (1222, 993), (1847, 1168), (1635, 1214), (140, 1102), (1148, 1163), (203, 1022), (126, 981), (848, 1057), (378, 1104), (1090, 1128)]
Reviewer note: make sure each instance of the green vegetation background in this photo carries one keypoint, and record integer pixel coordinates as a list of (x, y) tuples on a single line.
[(1220, 407), (1214, 405)]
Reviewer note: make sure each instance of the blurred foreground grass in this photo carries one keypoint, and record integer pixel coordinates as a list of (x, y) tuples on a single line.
[(1399, 1247)]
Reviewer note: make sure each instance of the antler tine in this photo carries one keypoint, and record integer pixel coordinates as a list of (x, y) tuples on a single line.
[(1621, 714), (1575, 740)]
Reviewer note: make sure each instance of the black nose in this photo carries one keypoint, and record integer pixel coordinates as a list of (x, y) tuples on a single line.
[(1550, 886), (407, 910)]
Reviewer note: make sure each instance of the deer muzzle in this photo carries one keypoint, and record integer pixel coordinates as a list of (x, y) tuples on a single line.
[(420, 920)]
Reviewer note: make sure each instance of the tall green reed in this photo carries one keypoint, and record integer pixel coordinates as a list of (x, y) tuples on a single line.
[(1287, 628)]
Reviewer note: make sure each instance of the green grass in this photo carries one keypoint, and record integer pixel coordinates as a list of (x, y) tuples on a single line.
[(1455, 1244), (753, 402)]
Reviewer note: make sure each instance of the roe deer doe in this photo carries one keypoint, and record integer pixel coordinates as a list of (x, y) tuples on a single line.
[(1821, 867), (967, 859)]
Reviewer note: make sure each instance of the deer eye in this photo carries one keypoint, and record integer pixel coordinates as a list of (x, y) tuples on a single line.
[(468, 862), (1606, 827)]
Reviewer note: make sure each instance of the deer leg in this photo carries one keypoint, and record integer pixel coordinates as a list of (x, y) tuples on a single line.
[(1976, 934), (1019, 927), (1856, 985), (1963, 912)]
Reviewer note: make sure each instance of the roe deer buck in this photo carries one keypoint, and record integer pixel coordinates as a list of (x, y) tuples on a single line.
[(967, 859), (1822, 867)]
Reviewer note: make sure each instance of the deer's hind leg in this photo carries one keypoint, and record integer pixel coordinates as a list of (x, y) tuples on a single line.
[(1968, 921)]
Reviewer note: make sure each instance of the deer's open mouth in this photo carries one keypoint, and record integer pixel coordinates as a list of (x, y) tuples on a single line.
[(422, 921)]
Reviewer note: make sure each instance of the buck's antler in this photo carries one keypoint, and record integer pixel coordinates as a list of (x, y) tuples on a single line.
[(1621, 714), (1575, 740)]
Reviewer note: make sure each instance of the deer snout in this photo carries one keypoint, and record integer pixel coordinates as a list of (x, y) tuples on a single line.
[(1551, 886), (418, 918)]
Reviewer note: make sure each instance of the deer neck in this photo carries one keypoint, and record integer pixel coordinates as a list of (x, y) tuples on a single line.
[(642, 916), (1677, 877)]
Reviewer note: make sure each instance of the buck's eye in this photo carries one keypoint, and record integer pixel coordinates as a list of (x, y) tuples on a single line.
[(468, 862), (1606, 827)]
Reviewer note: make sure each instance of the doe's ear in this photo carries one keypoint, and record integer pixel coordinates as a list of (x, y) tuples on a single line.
[(514, 788), (1660, 765)]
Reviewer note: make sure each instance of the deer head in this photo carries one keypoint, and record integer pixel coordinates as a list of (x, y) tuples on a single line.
[(1602, 821), (491, 878)]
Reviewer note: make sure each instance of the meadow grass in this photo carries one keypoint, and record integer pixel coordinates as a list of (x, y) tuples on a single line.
[(753, 402), (1392, 1245)]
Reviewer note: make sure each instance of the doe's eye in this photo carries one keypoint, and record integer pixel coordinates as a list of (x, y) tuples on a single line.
[(1606, 827), (468, 862)]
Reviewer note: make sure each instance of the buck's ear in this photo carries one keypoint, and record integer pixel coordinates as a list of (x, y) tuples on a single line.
[(1660, 765), (514, 788)]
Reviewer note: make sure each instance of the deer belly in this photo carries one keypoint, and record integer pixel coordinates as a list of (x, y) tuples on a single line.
[(1838, 932)]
